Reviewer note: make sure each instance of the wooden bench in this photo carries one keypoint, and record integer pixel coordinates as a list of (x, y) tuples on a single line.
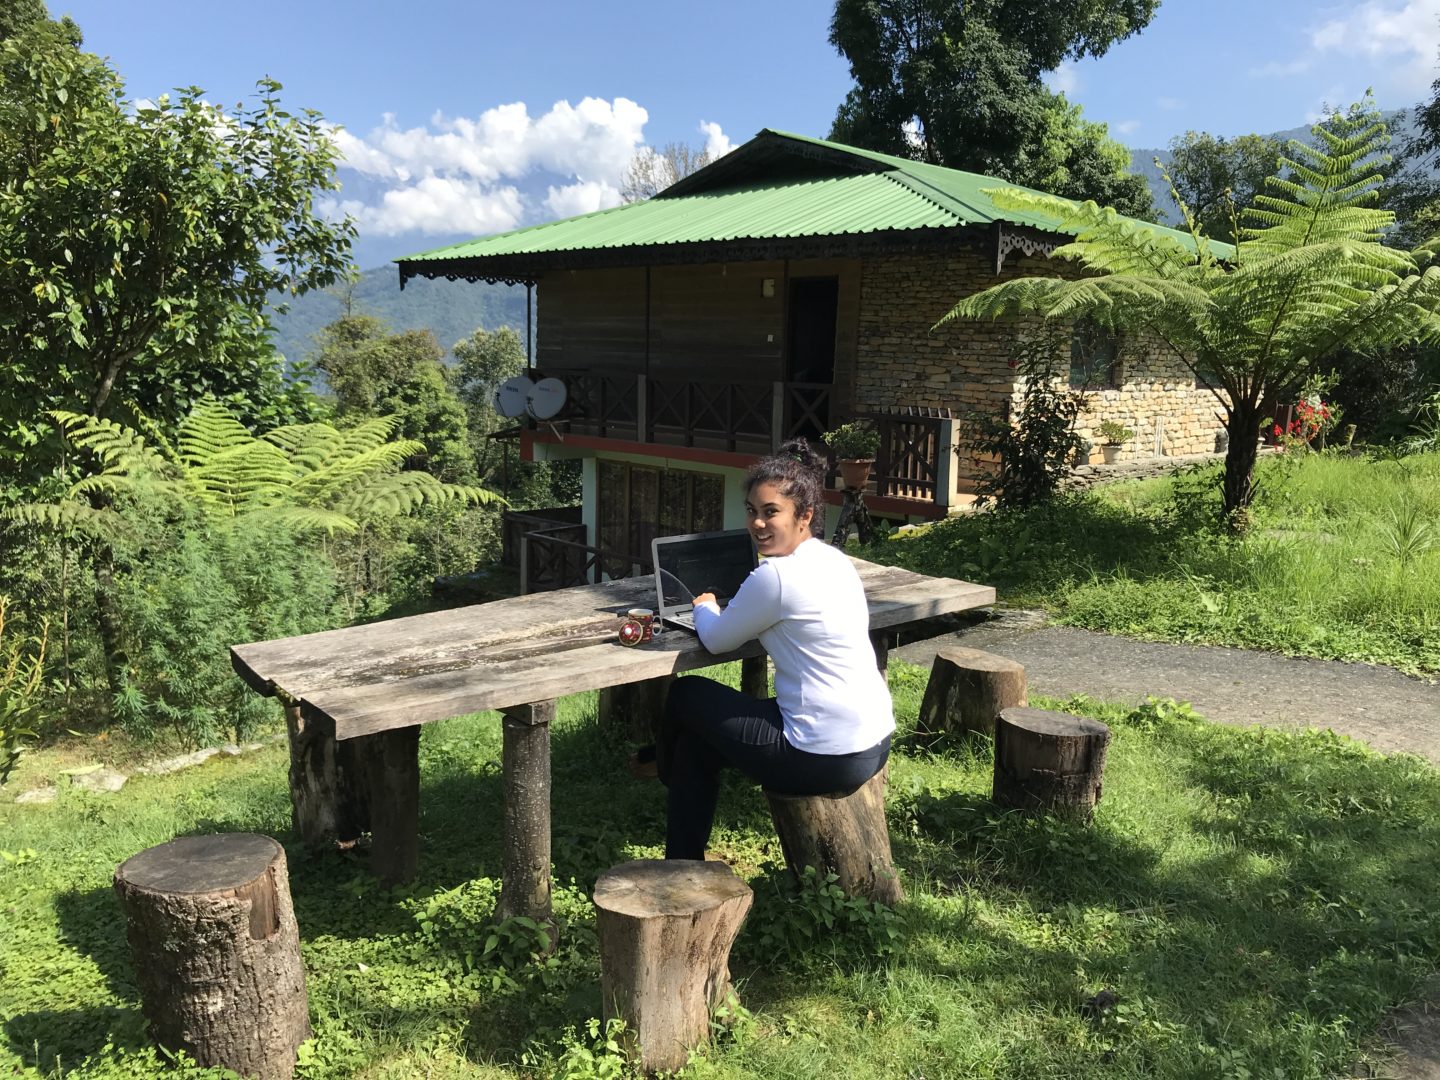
[(355, 699)]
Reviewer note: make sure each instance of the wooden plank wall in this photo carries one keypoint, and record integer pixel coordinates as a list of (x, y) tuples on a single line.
[(591, 319), (708, 322)]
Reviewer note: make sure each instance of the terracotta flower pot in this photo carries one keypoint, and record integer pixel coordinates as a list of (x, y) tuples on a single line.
[(854, 472)]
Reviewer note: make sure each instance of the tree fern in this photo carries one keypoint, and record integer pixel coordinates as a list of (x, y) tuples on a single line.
[(1307, 277), (309, 477)]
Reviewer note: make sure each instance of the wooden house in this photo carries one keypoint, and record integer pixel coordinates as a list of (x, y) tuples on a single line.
[(789, 285)]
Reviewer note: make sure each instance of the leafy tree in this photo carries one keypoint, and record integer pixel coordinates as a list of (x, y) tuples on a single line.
[(1217, 178), (374, 372), (1308, 278), (485, 359), (651, 171), (139, 242), (958, 84)]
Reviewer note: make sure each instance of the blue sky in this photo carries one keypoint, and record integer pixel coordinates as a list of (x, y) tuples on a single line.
[(467, 118)]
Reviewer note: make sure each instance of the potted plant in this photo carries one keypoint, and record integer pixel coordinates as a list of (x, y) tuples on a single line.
[(854, 445), (1115, 437)]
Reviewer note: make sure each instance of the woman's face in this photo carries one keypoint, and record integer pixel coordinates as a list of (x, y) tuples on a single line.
[(774, 525)]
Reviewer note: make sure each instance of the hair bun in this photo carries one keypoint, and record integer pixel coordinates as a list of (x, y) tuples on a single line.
[(799, 450)]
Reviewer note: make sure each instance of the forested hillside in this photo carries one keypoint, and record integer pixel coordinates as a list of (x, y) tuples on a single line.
[(449, 309), (1143, 160)]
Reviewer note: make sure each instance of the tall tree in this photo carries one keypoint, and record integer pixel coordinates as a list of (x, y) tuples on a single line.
[(376, 373), (651, 171), (1218, 178), (959, 83), (1308, 278), (139, 243)]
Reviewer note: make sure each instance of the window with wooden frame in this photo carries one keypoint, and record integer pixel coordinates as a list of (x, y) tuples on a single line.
[(1094, 357)]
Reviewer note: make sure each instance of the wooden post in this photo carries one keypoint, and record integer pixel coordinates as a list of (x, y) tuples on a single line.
[(632, 710), (665, 928), (967, 691), (842, 834), (880, 639), (525, 889), (327, 800), (217, 951), (388, 765), (755, 676), (1049, 761)]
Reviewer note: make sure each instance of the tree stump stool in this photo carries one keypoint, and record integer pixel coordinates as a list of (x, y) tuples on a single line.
[(666, 927), (968, 690), (217, 951), (842, 833), (1049, 761)]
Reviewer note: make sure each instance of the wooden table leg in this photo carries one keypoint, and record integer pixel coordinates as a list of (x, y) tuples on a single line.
[(327, 798), (880, 639), (632, 710), (755, 676), (525, 889), (389, 764)]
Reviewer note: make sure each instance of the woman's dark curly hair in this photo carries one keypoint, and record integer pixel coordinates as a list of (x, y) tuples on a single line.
[(799, 473)]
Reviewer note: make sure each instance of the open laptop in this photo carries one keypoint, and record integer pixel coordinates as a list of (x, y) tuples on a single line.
[(688, 565)]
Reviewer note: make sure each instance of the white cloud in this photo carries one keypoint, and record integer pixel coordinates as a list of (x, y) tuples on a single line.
[(1405, 36), (434, 204), (459, 174), (717, 143), (1127, 127), (1170, 104), (1065, 79), (1396, 39), (584, 197)]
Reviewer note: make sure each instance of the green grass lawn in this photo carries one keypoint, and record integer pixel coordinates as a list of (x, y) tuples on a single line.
[(1342, 560), (1257, 900)]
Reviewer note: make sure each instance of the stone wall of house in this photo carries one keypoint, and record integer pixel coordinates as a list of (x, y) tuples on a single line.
[(966, 366)]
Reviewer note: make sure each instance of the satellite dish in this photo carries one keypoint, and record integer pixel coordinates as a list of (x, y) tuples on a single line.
[(511, 396), (547, 398)]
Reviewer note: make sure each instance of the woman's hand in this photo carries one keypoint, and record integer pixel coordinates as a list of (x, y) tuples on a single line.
[(705, 598)]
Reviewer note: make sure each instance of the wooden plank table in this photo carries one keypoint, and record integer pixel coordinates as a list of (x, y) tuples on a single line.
[(355, 699)]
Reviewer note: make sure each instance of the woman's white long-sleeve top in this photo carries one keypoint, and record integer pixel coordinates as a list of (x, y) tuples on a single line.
[(808, 609)]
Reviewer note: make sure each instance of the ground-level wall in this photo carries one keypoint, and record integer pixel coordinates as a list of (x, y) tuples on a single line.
[(967, 367)]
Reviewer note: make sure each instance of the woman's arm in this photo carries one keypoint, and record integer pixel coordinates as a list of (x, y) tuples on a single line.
[(755, 608)]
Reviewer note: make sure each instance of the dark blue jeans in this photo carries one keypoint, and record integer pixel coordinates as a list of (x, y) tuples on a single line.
[(708, 726)]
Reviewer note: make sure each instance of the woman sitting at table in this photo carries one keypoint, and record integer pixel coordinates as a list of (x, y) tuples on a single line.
[(828, 726)]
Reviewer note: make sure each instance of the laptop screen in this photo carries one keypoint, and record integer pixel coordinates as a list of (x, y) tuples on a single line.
[(705, 562)]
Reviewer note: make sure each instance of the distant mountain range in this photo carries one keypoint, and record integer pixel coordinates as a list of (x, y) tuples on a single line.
[(454, 309), (451, 310)]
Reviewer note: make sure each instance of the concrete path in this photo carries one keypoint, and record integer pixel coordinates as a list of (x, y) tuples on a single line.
[(1235, 686)]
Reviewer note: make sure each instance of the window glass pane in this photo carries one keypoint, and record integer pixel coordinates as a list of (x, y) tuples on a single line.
[(644, 509), (675, 502), (1094, 355)]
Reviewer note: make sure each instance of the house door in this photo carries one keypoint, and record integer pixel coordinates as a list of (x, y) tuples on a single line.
[(814, 304)]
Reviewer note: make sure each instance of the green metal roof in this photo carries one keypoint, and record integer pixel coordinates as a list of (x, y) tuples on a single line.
[(777, 186)]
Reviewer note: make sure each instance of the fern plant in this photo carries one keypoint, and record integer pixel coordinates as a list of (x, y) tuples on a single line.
[(308, 477), (1308, 276)]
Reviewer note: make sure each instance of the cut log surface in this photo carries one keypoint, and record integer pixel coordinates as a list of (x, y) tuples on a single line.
[(967, 691), (400, 672), (1049, 760), (217, 951), (665, 931), (844, 834)]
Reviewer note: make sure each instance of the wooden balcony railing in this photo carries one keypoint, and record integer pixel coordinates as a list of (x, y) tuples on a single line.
[(915, 460), (742, 417), (551, 561)]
